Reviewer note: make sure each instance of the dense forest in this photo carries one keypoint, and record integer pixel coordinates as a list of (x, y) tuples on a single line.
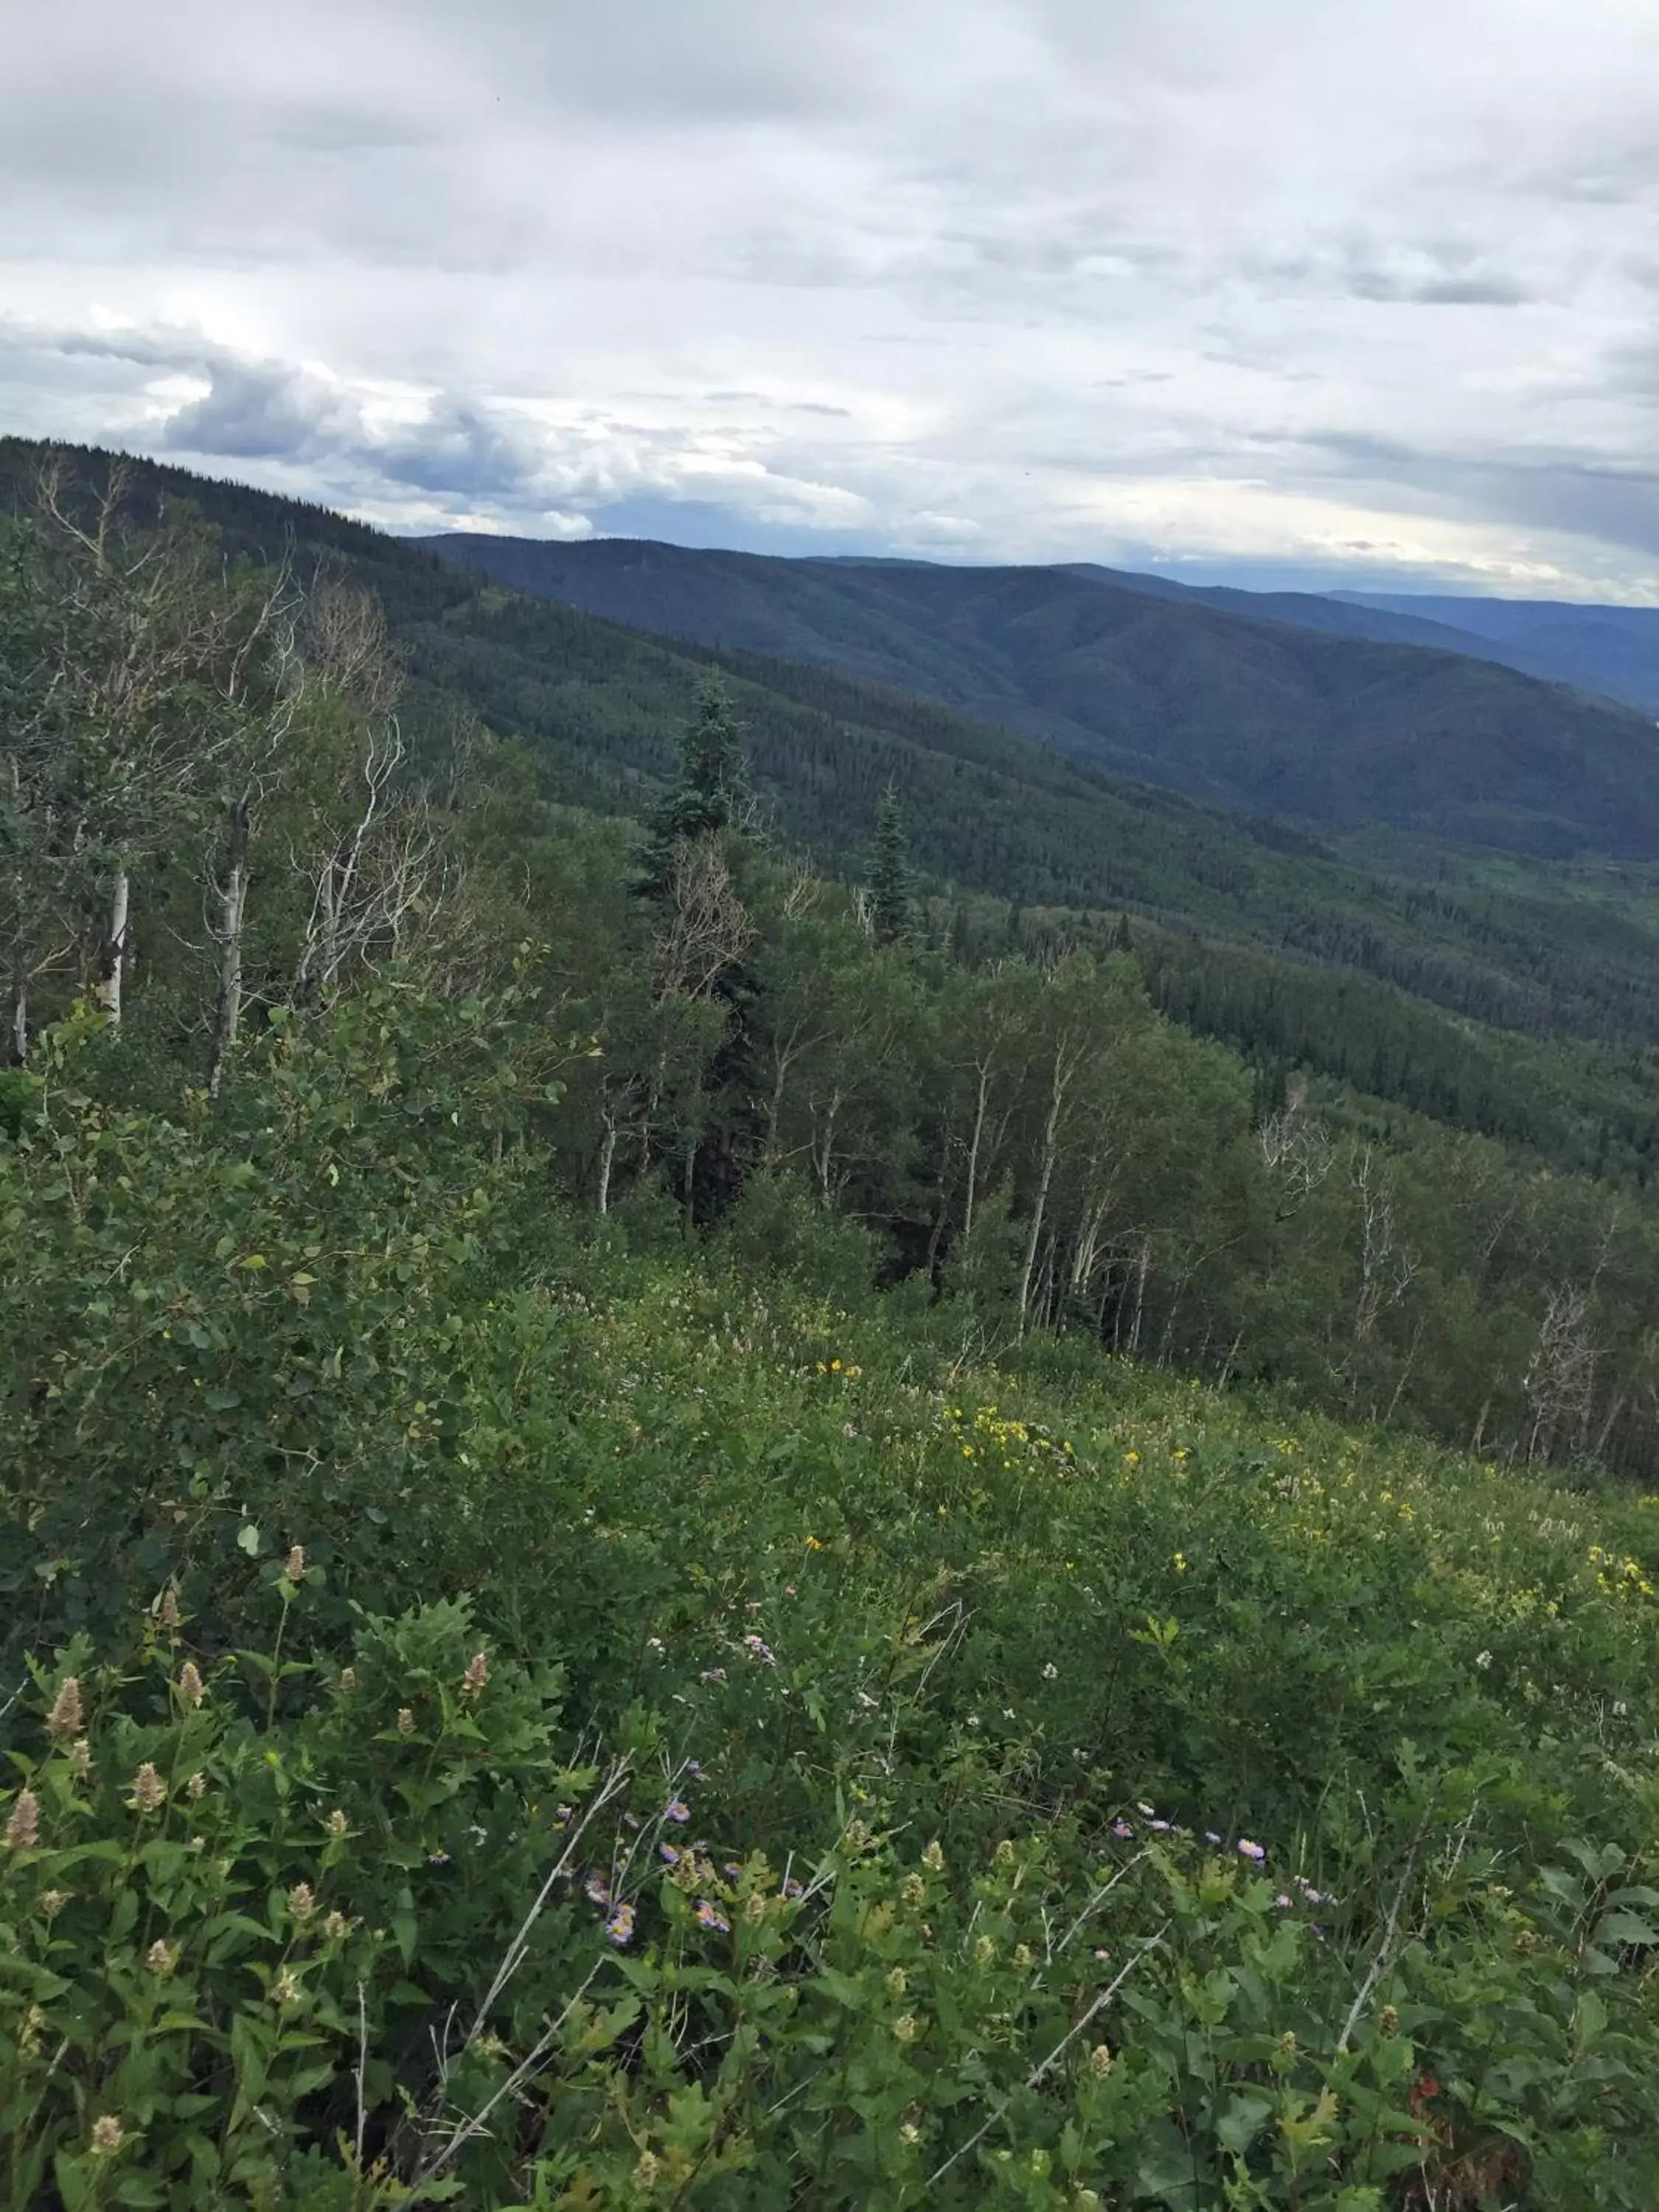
[(711, 1503)]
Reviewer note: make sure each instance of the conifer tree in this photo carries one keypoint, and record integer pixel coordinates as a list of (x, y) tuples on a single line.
[(712, 789), (892, 902)]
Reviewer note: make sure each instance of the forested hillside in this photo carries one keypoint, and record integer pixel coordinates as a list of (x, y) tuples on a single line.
[(680, 1532), (1259, 714)]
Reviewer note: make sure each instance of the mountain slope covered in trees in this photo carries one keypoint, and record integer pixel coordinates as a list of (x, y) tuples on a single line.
[(1256, 714), (1520, 1002)]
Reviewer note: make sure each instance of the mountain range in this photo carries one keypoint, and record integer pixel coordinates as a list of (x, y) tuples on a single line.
[(1322, 710)]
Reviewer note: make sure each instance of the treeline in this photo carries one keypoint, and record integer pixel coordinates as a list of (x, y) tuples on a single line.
[(215, 812)]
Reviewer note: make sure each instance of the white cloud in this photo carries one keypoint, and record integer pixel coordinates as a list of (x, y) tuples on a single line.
[(1239, 280)]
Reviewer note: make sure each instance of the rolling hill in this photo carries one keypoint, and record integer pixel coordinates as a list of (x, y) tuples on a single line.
[(1262, 715)]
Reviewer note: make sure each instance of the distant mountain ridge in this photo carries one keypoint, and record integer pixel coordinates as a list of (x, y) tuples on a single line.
[(1280, 709), (1614, 650)]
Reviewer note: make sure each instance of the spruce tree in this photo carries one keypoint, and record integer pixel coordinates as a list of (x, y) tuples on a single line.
[(712, 789), (892, 902)]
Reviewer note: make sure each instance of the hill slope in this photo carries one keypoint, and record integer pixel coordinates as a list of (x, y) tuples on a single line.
[(1610, 649), (1261, 715)]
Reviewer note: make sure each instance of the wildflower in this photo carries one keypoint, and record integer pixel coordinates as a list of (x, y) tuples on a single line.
[(149, 1790), (108, 2136), (670, 1852), (476, 1674), (65, 1717), (1147, 1810), (347, 1681), (694, 1768), (677, 1809), (904, 2027), (597, 1889), (647, 2172), (710, 1916), (1101, 1956), (1159, 1828), (731, 1870), (915, 1891), (196, 1788), (757, 1648), (1123, 1831), (1179, 1563), (23, 1828), (161, 1958), (1100, 2061), (52, 1902), (754, 1910), (562, 1815), (81, 1757), (934, 1857), (1282, 1902), (1286, 2045), (301, 1904), (1211, 1837), (285, 1990), (1254, 1852), (792, 1889), (337, 1823), (168, 1609), (336, 1927), (1051, 1673), (896, 1983), (1390, 2022), (1004, 1854), (857, 1837), (1483, 1659), (1022, 1956), (909, 2135), (620, 1925), (405, 1721), (984, 1950), (191, 1688), (294, 1566)]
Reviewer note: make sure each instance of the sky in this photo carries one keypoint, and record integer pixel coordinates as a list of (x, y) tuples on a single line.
[(1270, 292)]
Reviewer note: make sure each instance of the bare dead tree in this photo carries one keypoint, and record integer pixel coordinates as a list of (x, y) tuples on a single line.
[(706, 928), (1559, 1383)]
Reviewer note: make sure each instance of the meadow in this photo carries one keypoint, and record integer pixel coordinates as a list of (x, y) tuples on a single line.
[(679, 1732)]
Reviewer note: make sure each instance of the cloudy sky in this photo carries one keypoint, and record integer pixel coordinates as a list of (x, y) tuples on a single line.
[(1265, 290)]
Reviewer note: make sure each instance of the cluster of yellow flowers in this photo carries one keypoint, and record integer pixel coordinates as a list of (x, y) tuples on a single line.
[(835, 1367), (985, 1434), (1620, 1577)]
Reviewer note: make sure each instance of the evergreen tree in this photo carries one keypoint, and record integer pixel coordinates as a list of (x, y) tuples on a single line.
[(712, 790), (892, 902)]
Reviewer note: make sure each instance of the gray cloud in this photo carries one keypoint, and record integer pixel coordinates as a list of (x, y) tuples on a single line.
[(1239, 282)]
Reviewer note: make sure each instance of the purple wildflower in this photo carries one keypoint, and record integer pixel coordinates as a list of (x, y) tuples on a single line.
[(1122, 1829), (677, 1809), (1160, 1827), (620, 1926), (758, 1648), (1254, 1852), (731, 1870), (671, 1852), (694, 1768), (1211, 1837), (1283, 1902), (598, 1888), (712, 1916), (791, 1887)]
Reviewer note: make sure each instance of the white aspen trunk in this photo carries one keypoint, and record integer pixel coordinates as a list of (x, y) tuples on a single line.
[(107, 991), (973, 1151), (607, 1161), (1046, 1175), (18, 1023), (233, 907)]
